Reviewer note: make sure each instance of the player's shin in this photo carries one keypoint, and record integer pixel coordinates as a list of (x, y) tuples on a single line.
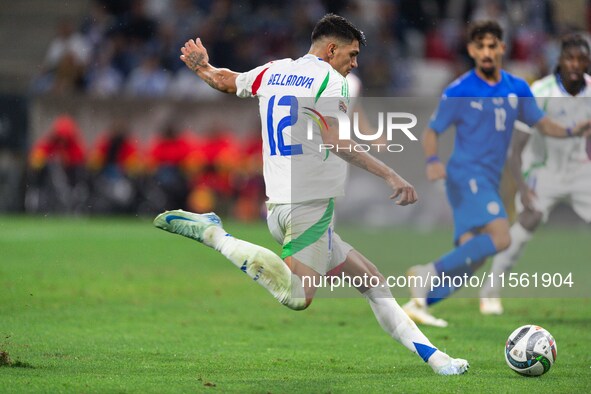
[(260, 264), (476, 249), (504, 261), (400, 327)]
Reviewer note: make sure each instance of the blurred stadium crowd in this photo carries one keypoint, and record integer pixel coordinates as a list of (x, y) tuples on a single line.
[(130, 48), (202, 172)]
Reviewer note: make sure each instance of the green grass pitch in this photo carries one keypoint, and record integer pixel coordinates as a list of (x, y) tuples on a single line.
[(115, 305)]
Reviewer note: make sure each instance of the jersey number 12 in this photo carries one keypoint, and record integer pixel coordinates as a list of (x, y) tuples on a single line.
[(276, 136)]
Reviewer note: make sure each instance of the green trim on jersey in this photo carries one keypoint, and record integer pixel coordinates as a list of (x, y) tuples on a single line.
[(543, 88), (311, 235), (322, 87), (345, 88), (548, 84), (527, 173)]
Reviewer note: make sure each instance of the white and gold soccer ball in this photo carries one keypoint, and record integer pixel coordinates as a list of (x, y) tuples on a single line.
[(530, 350)]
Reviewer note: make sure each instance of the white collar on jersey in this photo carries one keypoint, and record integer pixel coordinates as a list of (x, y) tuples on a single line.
[(310, 55)]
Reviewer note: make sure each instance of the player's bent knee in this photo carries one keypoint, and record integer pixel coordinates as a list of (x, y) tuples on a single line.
[(502, 241), (530, 220)]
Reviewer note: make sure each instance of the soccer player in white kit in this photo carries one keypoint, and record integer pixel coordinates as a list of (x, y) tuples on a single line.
[(554, 170), (302, 181)]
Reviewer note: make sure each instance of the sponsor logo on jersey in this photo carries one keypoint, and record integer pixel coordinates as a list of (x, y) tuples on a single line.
[(476, 105), (513, 100)]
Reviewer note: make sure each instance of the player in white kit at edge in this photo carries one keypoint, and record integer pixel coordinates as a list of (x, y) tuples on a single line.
[(550, 170), (302, 181)]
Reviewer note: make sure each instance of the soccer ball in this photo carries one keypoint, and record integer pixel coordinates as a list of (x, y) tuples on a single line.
[(530, 350)]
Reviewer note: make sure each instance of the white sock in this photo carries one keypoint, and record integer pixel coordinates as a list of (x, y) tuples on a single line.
[(260, 264), (504, 261), (400, 327)]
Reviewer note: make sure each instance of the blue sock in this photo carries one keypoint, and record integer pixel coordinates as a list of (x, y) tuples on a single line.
[(445, 290), (476, 249), (464, 259), (442, 292)]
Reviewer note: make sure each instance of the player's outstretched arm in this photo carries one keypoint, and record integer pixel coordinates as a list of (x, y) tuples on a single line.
[(514, 161), (552, 129), (403, 190), (194, 55), (435, 168)]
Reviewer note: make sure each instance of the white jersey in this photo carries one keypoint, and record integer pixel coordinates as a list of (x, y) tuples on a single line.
[(354, 88), (559, 169), (559, 154), (291, 93)]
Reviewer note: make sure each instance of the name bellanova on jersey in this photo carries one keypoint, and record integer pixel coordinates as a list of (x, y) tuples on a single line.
[(291, 80)]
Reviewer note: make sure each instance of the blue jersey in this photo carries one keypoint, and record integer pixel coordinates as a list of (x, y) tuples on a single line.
[(483, 115)]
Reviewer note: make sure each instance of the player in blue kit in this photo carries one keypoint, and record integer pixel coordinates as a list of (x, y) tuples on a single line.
[(483, 104)]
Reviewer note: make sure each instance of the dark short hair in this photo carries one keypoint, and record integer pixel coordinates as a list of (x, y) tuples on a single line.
[(332, 25), (479, 29), (573, 40)]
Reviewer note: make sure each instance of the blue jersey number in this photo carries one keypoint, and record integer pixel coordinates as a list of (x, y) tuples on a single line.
[(276, 136)]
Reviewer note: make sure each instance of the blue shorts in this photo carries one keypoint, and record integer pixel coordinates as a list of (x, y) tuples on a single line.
[(474, 201)]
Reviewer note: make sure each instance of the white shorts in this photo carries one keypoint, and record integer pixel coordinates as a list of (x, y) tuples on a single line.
[(306, 232), (573, 188)]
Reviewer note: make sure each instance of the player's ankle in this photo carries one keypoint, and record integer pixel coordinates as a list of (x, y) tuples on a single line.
[(213, 236), (438, 360)]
